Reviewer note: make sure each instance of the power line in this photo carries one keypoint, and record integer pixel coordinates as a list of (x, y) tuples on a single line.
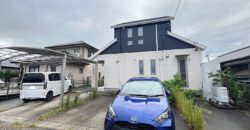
[(177, 8)]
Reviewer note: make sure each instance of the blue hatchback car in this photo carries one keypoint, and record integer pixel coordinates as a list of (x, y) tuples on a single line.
[(142, 104)]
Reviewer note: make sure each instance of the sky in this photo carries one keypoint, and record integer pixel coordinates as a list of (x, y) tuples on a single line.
[(222, 26)]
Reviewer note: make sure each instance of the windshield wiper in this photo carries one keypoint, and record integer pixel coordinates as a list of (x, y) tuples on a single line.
[(156, 95), (137, 95)]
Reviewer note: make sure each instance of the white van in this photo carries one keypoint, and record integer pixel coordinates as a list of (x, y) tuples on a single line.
[(43, 85)]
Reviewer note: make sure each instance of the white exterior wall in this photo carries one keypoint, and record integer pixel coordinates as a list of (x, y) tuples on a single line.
[(118, 68)]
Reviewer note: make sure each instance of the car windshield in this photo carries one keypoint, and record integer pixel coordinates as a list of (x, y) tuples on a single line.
[(142, 88), (33, 78)]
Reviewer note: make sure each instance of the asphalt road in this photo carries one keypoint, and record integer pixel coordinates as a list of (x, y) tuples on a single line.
[(10, 103)]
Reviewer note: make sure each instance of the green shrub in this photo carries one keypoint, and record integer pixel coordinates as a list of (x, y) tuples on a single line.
[(237, 90), (76, 99), (190, 94), (101, 82)]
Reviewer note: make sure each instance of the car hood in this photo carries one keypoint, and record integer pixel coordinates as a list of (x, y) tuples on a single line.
[(149, 108)]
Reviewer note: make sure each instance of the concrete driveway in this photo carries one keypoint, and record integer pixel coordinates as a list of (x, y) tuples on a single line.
[(225, 119), (92, 114)]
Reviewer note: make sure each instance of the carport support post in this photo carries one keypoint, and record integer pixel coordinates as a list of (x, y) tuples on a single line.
[(0, 65), (95, 76), (62, 80)]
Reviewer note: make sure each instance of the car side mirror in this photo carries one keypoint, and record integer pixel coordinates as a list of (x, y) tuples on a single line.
[(118, 91), (168, 92)]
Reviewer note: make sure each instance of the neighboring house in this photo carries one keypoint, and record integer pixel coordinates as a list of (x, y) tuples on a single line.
[(6, 65), (149, 48), (238, 60), (74, 70)]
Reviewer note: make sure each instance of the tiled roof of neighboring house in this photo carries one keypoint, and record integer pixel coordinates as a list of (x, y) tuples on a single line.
[(74, 44), (144, 21), (9, 65), (236, 54), (234, 51)]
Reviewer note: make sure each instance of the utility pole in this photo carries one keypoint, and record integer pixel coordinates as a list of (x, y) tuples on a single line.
[(63, 80), (207, 55)]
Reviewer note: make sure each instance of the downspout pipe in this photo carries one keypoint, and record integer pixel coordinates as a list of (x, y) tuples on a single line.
[(157, 49)]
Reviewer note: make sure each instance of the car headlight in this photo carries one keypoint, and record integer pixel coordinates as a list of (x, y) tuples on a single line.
[(164, 116), (111, 112)]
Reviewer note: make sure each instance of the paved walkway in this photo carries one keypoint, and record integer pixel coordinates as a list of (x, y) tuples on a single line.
[(11, 91)]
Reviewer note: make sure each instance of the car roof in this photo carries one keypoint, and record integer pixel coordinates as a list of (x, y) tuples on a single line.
[(144, 79), (43, 73)]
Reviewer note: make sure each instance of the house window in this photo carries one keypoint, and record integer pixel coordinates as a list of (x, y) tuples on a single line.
[(152, 67), (81, 70), (182, 67), (140, 41), (34, 69), (53, 69), (141, 67), (130, 42), (140, 31), (76, 51), (90, 53), (130, 33)]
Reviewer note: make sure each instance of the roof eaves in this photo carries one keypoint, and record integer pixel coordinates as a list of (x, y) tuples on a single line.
[(141, 22), (187, 40), (104, 48)]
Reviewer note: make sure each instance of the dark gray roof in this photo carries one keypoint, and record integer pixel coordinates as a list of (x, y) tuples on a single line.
[(72, 44), (9, 65), (144, 21)]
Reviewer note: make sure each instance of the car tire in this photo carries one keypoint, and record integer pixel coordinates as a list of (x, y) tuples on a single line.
[(26, 100), (49, 96), (69, 89)]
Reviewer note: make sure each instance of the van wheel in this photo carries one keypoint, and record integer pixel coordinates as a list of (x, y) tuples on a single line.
[(49, 96), (69, 89), (26, 100)]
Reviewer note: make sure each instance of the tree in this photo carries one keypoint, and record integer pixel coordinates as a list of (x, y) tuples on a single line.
[(7, 76)]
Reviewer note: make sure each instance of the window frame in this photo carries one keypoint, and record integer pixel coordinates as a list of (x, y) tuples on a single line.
[(138, 32), (51, 68), (141, 43), (131, 43), (76, 50), (129, 35), (81, 70), (154, 66), (141, 61), (186, 68)]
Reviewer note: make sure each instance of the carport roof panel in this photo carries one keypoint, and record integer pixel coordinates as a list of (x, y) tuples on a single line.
[(36, 55)]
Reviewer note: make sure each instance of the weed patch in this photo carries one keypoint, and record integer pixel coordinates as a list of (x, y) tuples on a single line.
[(23, 125), (68, 105)]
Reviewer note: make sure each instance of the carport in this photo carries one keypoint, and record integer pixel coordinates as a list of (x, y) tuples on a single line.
[(40, 56)]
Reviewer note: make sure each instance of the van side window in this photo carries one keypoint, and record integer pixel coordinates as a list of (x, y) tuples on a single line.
[(51, 77)]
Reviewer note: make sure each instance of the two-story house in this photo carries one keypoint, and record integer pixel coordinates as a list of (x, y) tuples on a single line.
[(74, 70), (149, 48)]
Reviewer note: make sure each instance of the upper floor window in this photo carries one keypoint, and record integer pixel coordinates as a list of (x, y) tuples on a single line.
[(140, 41), (130, 42), (76, 51), (90, 53), (130, 33), (140, 31), (34, 68)]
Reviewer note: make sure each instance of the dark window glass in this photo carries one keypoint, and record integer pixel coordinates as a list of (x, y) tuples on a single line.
[(141, 67), (33, 78), (153, 68), (53, 69), (57, 77), (34, 69), (182, 63), (81, 70)]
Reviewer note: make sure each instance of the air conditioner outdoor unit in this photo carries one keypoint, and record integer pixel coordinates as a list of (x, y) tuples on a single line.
[(220, 95)]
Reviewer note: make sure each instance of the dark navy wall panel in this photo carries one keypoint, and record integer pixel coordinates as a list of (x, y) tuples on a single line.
[(165, 42)]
